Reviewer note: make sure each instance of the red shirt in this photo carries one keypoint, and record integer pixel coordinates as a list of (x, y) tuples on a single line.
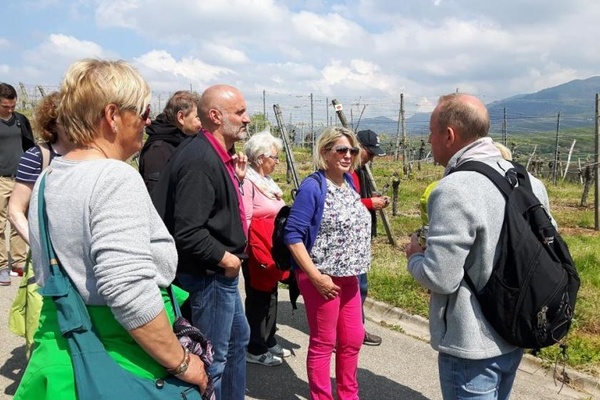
[(367, 202), (229, 162)]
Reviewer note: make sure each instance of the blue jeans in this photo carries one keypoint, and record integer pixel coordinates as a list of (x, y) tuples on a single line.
[(487, 379), (217, 311), (363, 285)]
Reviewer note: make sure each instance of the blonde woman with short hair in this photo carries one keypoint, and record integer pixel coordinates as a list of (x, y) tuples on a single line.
[(329, 236), (107, 235)]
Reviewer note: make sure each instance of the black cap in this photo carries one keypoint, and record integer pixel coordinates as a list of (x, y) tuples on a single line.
[(369, 140)]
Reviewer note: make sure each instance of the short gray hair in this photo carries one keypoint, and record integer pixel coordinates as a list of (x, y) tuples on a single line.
[(261, 143), (182, 100), (472, 122)]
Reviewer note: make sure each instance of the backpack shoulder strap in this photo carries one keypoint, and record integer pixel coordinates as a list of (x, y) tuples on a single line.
[(45, 151), (501, 182), (522, 175), (316, 177)]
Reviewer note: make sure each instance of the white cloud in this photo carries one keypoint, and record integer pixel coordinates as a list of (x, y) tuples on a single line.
[(4, 43), (226, 54), (116, 13), (331, 29), (59, 48), (357, 74), (160, 67), (422, 48)]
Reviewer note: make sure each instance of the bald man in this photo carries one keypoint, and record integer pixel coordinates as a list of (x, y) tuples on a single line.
[(465, 219), (199, 198)]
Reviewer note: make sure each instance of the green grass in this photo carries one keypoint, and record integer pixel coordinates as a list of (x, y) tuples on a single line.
[(389, 281)]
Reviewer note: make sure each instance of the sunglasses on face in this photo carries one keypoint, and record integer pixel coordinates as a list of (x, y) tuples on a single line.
[(146, 114), (274, 158), (343, 150)]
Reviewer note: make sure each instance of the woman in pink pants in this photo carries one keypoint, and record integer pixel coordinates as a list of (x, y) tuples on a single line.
[(329, 236)]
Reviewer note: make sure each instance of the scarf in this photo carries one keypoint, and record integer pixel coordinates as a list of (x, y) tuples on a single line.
[(265, 184)]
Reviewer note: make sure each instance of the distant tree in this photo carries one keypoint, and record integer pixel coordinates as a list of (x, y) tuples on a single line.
[(258, 123)]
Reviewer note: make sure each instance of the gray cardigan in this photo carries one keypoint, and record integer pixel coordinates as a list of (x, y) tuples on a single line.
[(466, 212), (108, 237)]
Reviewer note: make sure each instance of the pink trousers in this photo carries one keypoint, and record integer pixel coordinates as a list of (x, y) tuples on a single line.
[(335, 323)]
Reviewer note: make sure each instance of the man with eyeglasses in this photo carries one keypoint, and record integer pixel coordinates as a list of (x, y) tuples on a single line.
[(369, 148), (15, 138)]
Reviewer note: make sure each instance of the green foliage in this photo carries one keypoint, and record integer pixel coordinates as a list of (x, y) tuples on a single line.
[(258, 123)]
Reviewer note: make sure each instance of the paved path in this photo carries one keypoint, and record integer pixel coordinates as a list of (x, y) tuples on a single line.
[(401, 368)]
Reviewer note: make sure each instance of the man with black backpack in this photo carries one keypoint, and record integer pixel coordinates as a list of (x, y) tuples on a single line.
[(466, 213)]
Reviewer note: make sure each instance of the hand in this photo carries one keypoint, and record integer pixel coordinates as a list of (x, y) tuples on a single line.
[(231, 263), (196, 373), (241, 164), (413, 247), (380, 202), (326, 287)]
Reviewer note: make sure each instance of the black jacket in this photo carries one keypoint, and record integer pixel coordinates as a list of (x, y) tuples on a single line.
[(27, 140), (163, 139), (198, 202), (366, 192)]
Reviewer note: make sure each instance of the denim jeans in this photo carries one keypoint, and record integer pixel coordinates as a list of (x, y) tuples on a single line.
[(487, 379), (217, 311)]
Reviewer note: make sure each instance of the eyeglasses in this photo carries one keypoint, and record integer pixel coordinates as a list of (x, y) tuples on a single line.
[(343, 150), (274, 158), (146, 114)]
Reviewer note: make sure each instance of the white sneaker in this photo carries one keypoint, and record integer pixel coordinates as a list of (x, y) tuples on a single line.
[(279, 351), (4, 277), (267, 359)]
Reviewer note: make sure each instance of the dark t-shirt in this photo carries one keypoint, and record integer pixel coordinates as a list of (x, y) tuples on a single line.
[(11, 146)]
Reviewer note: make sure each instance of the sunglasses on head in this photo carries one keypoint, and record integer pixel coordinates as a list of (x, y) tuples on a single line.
[(146, 114), (343, 150)]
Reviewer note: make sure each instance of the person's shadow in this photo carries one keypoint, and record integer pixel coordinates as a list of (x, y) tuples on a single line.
[(13, 369), (282, 383), (376, 387)]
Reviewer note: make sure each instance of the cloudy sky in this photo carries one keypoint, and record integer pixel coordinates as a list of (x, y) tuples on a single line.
[(365, 51)]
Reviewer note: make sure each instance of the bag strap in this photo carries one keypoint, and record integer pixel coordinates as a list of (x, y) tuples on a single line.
[(46, 155), (176, 308), (505, 184), (71, 310)]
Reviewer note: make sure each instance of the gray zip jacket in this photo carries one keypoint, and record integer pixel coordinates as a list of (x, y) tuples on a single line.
[(466, 212)]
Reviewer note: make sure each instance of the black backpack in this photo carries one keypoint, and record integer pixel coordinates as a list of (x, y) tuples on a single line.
[(280, 252), (530, 296)]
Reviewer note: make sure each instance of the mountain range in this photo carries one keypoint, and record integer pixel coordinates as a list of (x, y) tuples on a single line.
[(525, 113)]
